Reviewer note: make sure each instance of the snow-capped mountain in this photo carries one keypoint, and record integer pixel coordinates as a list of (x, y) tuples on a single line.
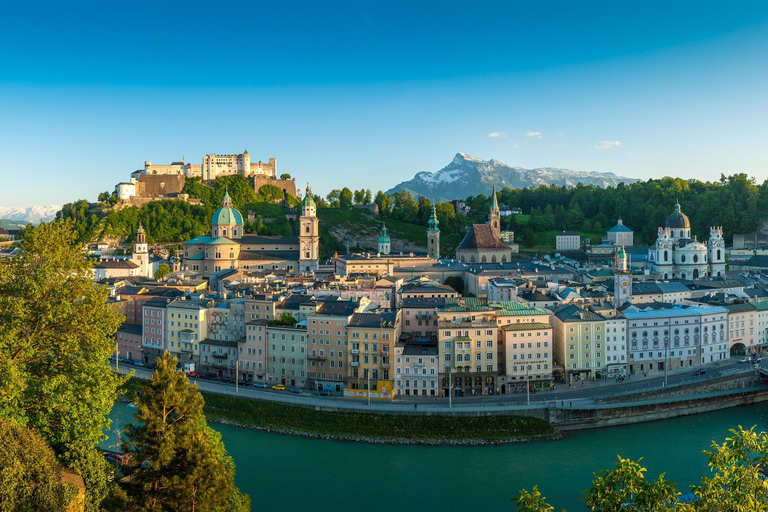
[(468, 175), (31, 214)]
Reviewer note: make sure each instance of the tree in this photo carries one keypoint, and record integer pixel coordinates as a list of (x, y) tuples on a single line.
[(162, 271), (345, 197), (58, 334), (285, 176), (384, 202), (360, 196), (29, 474), (178, 462), (456, 283)]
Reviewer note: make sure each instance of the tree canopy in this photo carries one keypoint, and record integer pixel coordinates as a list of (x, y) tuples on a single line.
[(57, 337), (178, 463)]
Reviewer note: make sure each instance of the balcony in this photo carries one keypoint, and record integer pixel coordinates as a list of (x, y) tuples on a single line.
[(355, 351), (385, 365), (354, 364), (317, 358), (419, 365), (220, 356)]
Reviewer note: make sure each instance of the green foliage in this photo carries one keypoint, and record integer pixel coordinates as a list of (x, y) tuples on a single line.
[(285, 176), (738, 484), (532, 501), (162, 271), (178, 463), (284, 320), (29, 474), (57, 336), (455, 282), (279, 416), (625, 488)]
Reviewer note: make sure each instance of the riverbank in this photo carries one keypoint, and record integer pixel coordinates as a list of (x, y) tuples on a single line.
[(369, 428)]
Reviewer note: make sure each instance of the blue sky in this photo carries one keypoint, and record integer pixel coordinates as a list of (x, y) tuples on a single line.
[(367, 93)]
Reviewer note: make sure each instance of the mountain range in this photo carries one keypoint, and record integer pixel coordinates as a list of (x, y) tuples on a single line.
[(30, 214), (468, 175)]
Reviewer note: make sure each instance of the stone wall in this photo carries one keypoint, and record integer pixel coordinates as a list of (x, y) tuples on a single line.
[(154, 185), (288, 186)]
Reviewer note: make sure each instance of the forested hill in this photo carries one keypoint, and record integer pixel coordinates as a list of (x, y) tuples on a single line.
[(735, 202)]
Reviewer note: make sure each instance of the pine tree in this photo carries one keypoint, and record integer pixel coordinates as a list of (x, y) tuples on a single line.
[(179, 463)]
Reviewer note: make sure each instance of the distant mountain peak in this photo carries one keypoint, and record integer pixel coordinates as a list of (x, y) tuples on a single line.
[(469, 175), (31, 214)]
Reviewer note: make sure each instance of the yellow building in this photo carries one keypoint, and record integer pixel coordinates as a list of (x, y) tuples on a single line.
[(187, 326), (372, 338)]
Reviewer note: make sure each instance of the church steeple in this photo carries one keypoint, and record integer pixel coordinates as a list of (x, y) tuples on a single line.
[(433, 236), (494, 215)]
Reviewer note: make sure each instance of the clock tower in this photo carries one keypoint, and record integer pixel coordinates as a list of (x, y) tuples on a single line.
[(622, 281)]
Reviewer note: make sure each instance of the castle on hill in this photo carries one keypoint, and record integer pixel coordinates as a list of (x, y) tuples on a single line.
[(155, 182)]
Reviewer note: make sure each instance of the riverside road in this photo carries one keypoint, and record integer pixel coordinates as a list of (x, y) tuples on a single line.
[(581, 394)]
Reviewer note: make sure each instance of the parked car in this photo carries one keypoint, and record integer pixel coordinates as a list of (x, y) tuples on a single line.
[(227, 380), (260, 385), (746, 360), (324, 392), (244, 382), (138, 363), (295, 389), (209, 376), (758, 360), (279, 387), (701, 371), (194, 375)]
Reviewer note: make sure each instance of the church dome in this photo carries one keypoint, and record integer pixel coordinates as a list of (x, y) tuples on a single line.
[(227, 213), (384, 238), (308, 200), (678, 220)]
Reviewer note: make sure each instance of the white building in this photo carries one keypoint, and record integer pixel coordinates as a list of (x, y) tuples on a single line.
[(676, 255), (671, 336), (621, 235), (567, 241)]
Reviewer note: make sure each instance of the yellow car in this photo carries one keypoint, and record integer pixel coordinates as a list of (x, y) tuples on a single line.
[(279, 387)]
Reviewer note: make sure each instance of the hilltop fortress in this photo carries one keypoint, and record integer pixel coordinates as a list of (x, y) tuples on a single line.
[(167, 181)]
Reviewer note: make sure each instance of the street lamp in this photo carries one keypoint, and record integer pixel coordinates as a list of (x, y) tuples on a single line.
[(368, 373), (528, 383)]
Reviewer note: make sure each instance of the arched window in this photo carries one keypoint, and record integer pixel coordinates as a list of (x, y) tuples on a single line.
[(666, 257), (483, 259), (695, 273), (718, 257), (682, 258), (472, 259), (503, 259), (306, 229), (493, 259), (695, 258)]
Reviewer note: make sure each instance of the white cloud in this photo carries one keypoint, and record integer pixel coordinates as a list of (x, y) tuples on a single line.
[(607, 144), (531, 133), (496, 135)]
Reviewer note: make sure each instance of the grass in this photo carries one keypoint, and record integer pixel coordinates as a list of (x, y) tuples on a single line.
[(351, 425)]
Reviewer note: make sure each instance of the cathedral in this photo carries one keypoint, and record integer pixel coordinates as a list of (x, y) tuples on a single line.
[(676, 255), (229, 247)]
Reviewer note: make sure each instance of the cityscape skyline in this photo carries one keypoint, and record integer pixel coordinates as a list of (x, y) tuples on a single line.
[(366, 94)]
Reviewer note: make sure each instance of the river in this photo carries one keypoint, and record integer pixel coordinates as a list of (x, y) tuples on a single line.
[(284, 473)]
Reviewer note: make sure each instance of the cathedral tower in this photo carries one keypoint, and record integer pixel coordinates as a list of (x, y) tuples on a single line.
[(716, 252), (141, 252), (433, 236), (494, 215), (622, 280), (309, 241), (384, 241)]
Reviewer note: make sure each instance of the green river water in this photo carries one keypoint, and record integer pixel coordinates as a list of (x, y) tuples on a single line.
[(283, 473)]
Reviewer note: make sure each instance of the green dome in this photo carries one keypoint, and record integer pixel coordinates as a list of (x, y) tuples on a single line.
[(227, 213), (308, 199), (384, 238)]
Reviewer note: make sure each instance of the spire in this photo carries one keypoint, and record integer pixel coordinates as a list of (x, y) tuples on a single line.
[(495, 203), (227, 201), (433, 222), (141, 229)]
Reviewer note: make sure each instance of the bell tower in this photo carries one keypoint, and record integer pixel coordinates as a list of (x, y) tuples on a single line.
[(494, 215), (622, 280), (141, 252), (309, 236), (433, 236)]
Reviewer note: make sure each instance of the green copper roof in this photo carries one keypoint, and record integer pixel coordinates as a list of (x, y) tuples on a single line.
[(308, 199), (384, 238), (227, 213), (433, 222)]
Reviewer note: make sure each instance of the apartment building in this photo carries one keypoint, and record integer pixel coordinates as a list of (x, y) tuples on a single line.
[(287, 347), (153, 329), (579, 342), (187, 325), (417, 362), (372, 338), (327, 347)]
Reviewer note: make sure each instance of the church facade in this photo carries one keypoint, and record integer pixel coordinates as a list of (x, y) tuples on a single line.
[(676, 255), (228, 246), (483, 243)]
